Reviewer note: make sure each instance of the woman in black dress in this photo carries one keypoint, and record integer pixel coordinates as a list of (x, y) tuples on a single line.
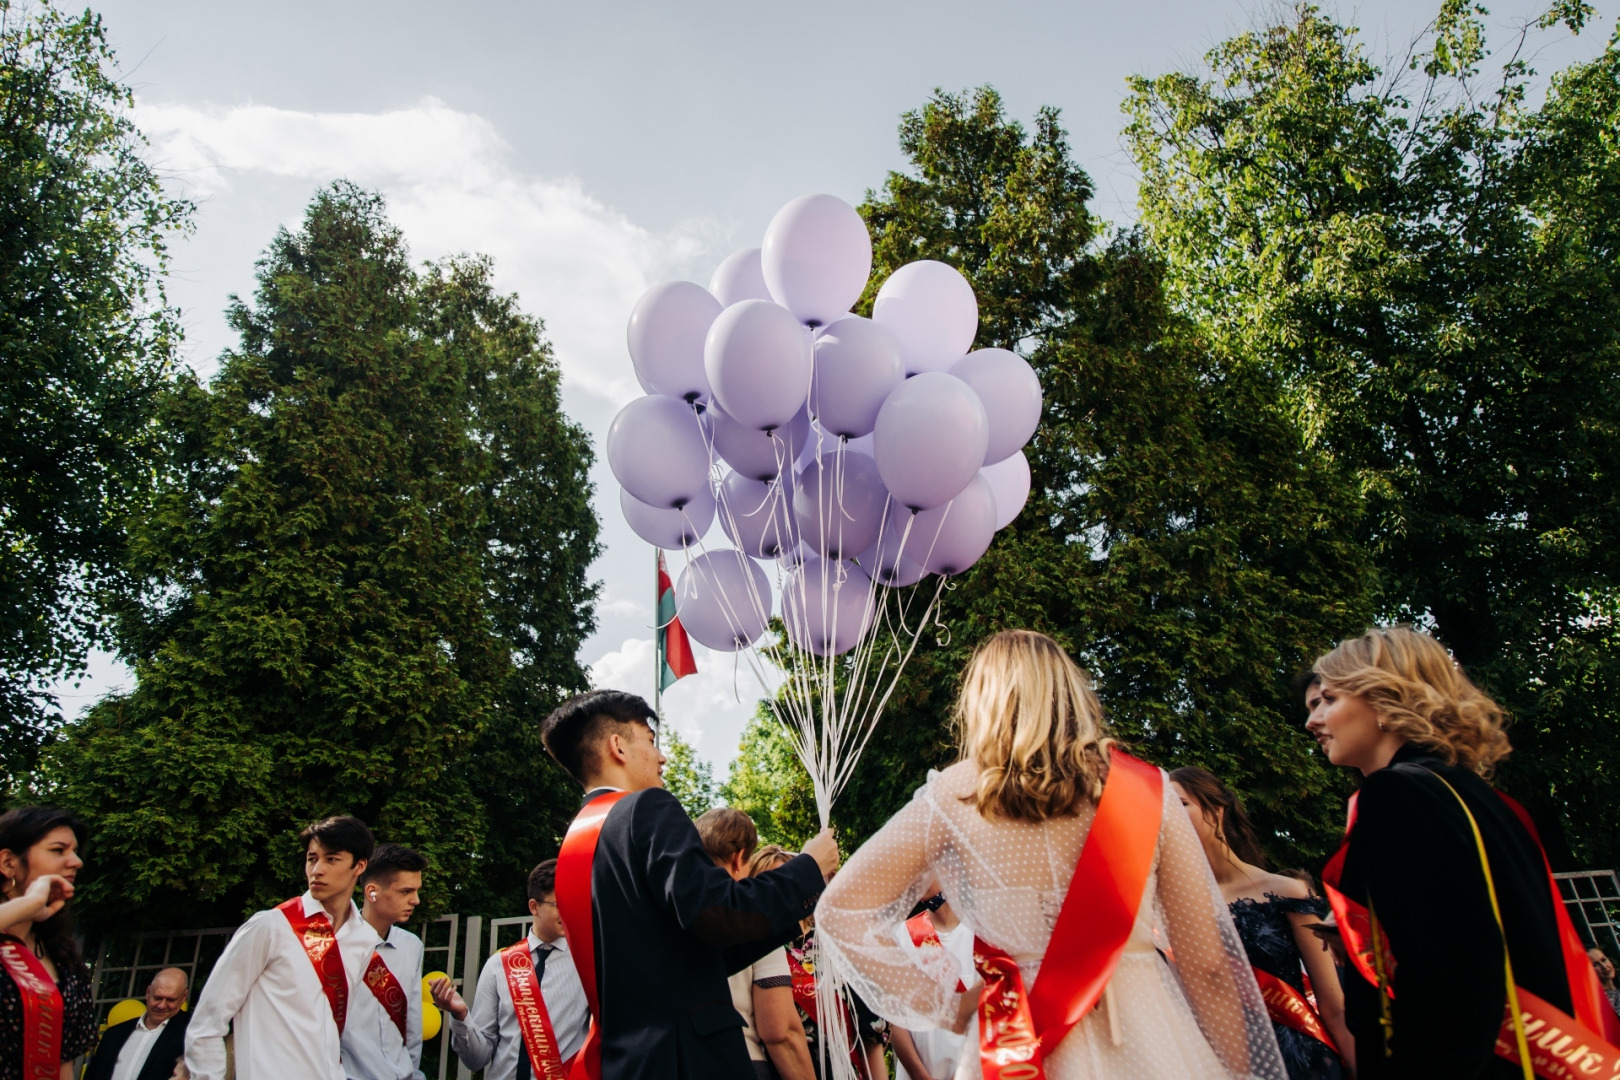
[(1429, 1000), (39, 858), (1271, 913)]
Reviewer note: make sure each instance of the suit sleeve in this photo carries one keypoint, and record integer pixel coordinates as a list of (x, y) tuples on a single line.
[(703, 898), (1427, 889)]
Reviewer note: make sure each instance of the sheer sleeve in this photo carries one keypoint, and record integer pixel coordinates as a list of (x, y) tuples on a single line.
[(1208, 955), (864, 905)]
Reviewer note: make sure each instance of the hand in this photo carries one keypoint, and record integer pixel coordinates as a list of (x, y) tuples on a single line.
[(967, 1006), (446, 998), (51, 891), (824, 849)]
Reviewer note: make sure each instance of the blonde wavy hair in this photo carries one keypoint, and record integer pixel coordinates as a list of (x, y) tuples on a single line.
[(1420, 693), (1028, 718)]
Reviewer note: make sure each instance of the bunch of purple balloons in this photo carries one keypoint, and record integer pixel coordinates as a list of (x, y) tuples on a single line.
[(862, 453)]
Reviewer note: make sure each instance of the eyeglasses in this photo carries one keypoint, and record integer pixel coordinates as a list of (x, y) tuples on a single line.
[(544, 903)]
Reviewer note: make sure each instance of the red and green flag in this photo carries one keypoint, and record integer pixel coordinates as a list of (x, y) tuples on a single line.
[(674, 650)]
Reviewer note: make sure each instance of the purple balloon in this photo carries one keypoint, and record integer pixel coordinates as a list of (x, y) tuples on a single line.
[(739, 278), (1009, 482), (816, 257), (757, 516), (886, 560), (757, 454), (932, 311), (1011, 394), (758, 359), (667, 330), (930, 439), (948, 539), (827, 607), (723, 600), (857, 366), (658, 453), (838, 503), (668, 528)]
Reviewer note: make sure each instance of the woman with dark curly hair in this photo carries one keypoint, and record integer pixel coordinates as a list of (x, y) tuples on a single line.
[(1437, 872), (46, 1015)]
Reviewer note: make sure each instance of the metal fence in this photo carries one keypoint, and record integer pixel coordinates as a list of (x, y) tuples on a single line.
[(1593, 900)]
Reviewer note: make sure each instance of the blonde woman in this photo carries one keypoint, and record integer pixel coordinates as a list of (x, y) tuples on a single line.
[(1002, 831), (1393, 705)]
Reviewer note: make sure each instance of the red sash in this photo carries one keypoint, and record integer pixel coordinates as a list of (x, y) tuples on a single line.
[(42, 1010), (574, 905), (386, 989), (545, 1058), (1017, 1029), (1289, 1008), (804, 996), (314, 933)]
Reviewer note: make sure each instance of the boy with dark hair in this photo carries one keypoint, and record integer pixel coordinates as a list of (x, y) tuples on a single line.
[(283, 980), (383, 1037), (529, 1008), (655, 926)]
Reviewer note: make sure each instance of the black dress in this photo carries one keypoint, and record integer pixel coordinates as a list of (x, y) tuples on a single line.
[(1268, 938), (78, 1019), (1412, 854)]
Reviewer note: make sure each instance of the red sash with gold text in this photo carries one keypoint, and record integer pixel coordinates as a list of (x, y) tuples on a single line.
[(574, 905), (42, 1010), (314, 933), (386, 989), (1289, 1008), (1018, 1029), (539, 1041)]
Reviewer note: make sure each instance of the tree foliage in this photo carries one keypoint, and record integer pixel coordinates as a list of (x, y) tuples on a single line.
[(87, 340), (687, 777), (363, 583), (768, 783)]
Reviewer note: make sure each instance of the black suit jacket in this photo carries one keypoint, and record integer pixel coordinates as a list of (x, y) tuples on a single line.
[(159, 1060), (670, 926), (1414, 855)]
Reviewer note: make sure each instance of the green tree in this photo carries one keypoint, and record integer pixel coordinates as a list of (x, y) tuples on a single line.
[(688, 777), (767, 783), (365, 572), (88, 341), (1428, 266)]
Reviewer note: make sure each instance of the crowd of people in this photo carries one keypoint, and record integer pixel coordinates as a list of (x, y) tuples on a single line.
[(1048, 907)]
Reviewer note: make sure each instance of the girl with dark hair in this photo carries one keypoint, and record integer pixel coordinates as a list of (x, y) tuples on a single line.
[(46, 1015), (1272, 912)]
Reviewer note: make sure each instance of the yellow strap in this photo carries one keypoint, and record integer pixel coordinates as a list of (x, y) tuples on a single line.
[(1496, 909)]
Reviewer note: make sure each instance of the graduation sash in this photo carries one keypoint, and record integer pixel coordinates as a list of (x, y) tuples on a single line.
[(386, 989), (1289, 1008), (315, 934), (539, 1041), (41, 1010), (1018, 1029), (574, 863)]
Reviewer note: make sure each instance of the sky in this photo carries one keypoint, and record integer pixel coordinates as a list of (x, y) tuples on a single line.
[(595, 150)]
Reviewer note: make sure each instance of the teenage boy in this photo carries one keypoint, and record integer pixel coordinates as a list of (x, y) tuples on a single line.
[(382, 1039), (655, 925), (539, 973), (283, 980)]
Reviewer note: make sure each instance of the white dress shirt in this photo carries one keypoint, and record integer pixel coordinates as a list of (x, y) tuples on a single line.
[(265, 984), (490, 1035), (135, 1050), (372, 1048)]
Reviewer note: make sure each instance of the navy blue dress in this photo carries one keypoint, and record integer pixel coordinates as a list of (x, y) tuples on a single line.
[(1268, 938)]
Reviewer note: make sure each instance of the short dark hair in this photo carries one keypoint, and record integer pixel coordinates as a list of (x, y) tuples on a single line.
[(725, 831), (342, 832), (543, 880), (20, 829), (389, 860), (574, 728)]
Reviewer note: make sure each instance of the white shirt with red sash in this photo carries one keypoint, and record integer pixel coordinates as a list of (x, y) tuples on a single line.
[(490, 1039), (265, 983), (373, 1048)]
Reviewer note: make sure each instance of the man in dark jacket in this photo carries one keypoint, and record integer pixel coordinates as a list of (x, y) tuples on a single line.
[(669, 926), (147, 1047)]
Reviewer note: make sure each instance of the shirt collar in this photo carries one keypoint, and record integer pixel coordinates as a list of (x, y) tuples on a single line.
[(312, 905), (560, 945), (153, 1030)]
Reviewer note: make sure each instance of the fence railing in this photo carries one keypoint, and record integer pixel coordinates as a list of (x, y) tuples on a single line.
[(1593, 900)]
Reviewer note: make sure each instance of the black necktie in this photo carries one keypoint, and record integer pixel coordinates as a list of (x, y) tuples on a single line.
[(523, 1069)]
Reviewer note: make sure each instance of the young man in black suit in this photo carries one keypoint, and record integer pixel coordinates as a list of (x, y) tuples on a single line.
[(147, 1047), (669, 926)]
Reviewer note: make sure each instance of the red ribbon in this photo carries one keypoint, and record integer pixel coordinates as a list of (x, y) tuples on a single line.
[(1289, 1008), (42, 1010), (314, 933), (574, 864), (539, 1040), (386, 989)]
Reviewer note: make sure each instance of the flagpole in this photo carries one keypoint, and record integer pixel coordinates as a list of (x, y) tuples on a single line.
[(658, 660)]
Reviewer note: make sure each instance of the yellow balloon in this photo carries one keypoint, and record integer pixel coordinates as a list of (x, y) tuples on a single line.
[(128, 1009), (432, 1019), (429, 977)]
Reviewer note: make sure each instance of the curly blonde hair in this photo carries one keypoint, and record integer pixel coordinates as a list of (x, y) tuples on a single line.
[(1420, 693), (1028, 718)]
